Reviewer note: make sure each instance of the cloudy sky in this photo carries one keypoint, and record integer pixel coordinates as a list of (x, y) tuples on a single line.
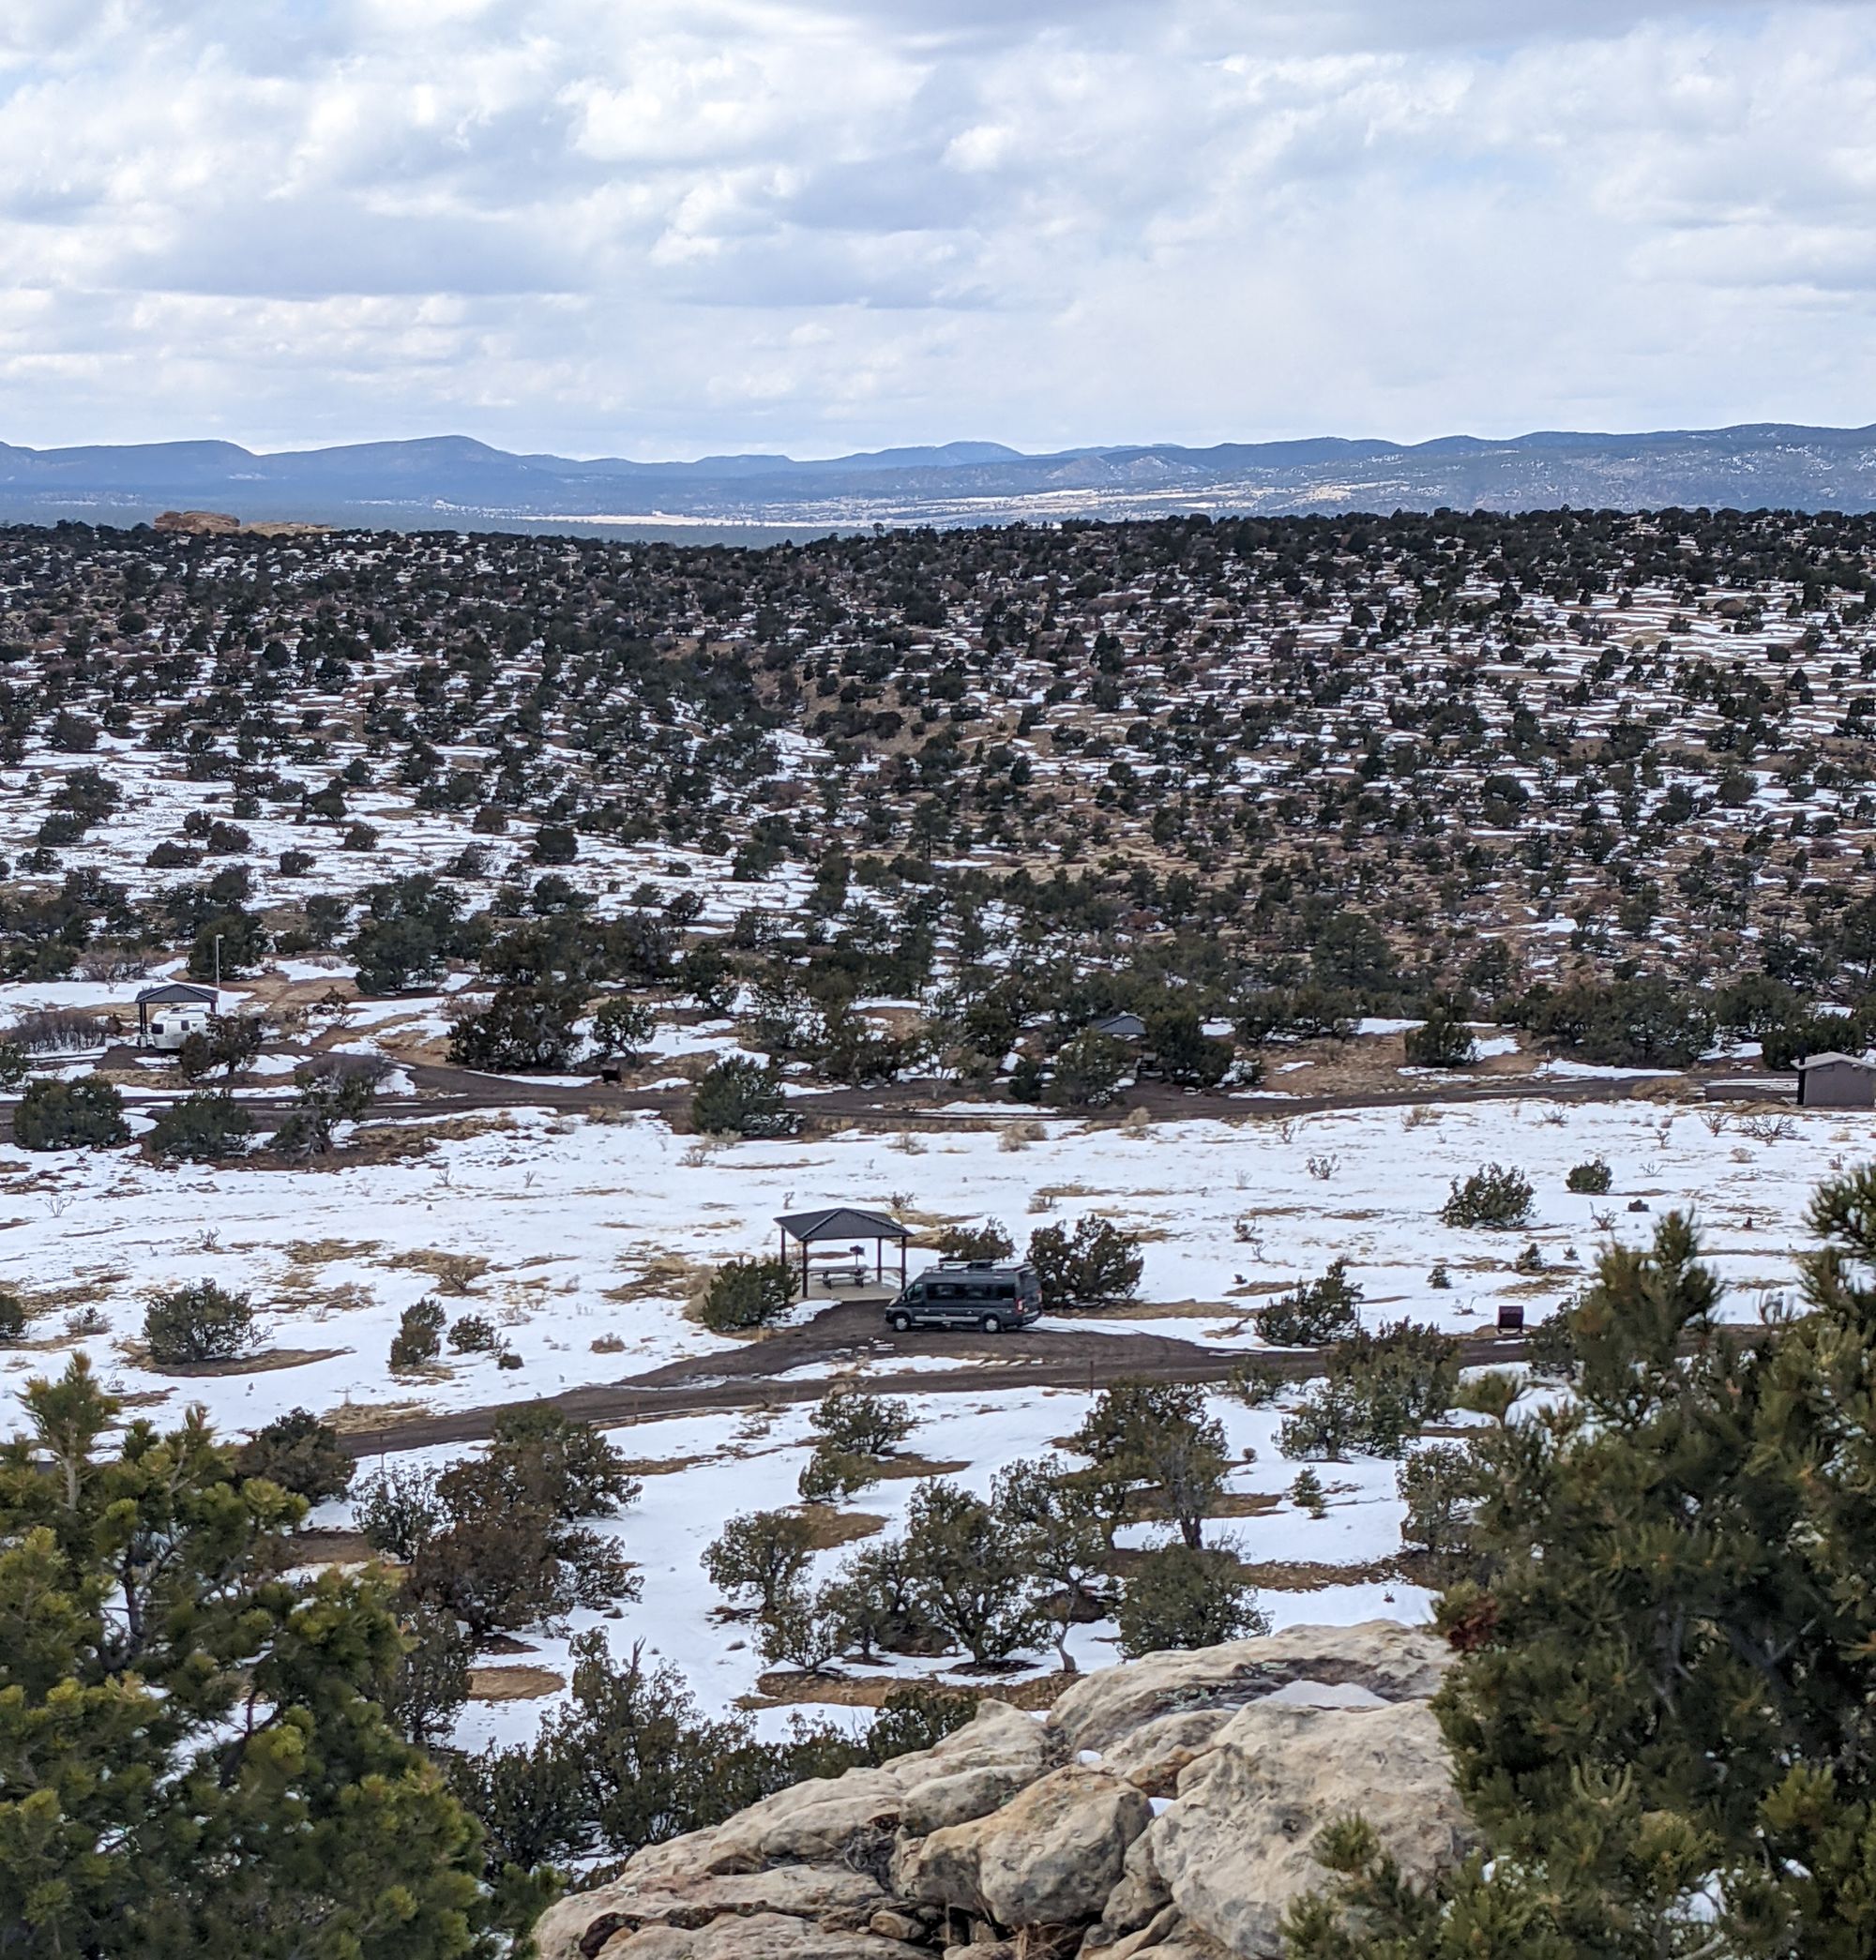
[(664, 227)]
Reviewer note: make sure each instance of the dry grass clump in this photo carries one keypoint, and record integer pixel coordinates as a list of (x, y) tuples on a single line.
[(326, 1252), (665, 1276), (454, 1273)]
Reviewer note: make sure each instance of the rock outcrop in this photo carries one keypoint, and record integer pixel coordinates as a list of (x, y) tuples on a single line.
[(1167, 1809)]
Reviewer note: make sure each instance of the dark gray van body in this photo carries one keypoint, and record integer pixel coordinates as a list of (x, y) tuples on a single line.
[(979, 1294)]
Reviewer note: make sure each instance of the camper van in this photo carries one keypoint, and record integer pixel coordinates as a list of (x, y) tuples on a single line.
[(968, 1293)]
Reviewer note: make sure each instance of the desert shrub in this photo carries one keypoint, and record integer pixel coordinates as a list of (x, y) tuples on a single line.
[(1328, 1421), (747, 1293), (13, 1318), (57, 1031), (556, 1463), (473, 1333), (741, 1097), (73, 733), (1179, 1597), (1379, 1391), (623, 1025), (1314, 1312), (1495, 1198), (327, 1097), (875, 1597), (1306, 1493), (799, 1629), (502, 1569), (300, 1454), (200, 1128), (1443, 1040), (759, 1556), (1186, 1053), (1551, 1346), (399, 1511), (1255, 1383), (431, 1680), (70, 1115), (225, 839), (1592, 1178), (831, 1476), (555, 844), (419, 1336), (1097, 1264), (198, 1323), (1647, 1022), (13, 1066), (229, 1042), (1441, 1485), (517, 1029), (915, 1717), (987, 1241), (850, 1418), (295, 863), (1088, 1071)]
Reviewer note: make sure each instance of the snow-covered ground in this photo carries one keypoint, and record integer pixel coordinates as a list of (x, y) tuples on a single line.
[(747, 1463), (572, 1232)]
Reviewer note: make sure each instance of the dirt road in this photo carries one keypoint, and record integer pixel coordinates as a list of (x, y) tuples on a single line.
[(797, 1365)]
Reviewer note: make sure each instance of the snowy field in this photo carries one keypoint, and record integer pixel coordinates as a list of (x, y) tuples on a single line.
[(585, 1239), (570, 1231), (750, 1462)]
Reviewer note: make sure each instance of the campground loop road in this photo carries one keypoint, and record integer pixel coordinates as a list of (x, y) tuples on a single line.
[(851, 1333), (440, 1090)]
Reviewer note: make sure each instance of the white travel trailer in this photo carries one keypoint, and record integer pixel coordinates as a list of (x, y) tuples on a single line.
[(167, 1016)]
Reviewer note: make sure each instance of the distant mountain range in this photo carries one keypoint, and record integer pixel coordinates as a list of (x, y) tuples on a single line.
[(449, 482)]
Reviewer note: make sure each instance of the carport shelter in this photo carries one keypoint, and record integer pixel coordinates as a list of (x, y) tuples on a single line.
[(843, 1225), (171, 993)]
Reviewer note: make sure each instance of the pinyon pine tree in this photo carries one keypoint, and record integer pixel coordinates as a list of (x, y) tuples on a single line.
[(1662, 1719)]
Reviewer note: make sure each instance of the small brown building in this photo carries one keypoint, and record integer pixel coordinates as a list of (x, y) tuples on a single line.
[(1835, 1082)]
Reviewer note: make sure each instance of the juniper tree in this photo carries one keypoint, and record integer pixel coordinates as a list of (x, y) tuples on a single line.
[(1660, 1718), (1157, 1436)]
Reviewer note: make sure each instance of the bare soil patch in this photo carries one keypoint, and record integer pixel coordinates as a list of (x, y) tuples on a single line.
[(1308, 1575), (264, 1363), (828, 1529), (513, 1684), (781, 1688), (895, 1469), (321, 1547)]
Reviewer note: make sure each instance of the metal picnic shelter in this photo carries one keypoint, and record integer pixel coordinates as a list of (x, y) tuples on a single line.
[(843, 1225)]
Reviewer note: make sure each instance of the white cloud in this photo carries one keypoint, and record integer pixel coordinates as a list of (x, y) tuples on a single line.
[(673, 227)]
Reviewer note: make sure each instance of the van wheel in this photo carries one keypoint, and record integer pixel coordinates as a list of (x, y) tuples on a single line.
[(901, 1323), (991, 1324)]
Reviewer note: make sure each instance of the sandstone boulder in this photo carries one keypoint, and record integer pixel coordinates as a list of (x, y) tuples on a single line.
[(1395, 1662), (1052, 1856), (1140, 1895), (1235, 1847), (1153, 1755), (823, 1821), (833, 1897), (758, 1936)]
